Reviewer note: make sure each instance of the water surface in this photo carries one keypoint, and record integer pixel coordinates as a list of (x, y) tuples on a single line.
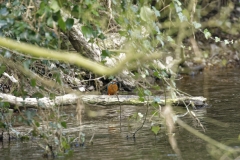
[(221, 122)]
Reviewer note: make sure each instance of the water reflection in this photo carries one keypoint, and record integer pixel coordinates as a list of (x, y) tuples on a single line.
[(221, 122)]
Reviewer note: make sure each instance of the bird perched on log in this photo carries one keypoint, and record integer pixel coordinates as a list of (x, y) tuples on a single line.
[(112, 87)]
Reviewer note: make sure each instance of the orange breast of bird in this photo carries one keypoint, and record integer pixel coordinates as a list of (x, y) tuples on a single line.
[(112, 88)]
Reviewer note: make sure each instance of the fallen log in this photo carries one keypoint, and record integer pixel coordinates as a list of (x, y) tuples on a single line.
[(105, 100)]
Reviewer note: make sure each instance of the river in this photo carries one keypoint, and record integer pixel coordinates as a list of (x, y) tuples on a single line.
[(221, 122)]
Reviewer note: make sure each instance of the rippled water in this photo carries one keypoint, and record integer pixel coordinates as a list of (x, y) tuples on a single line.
[(221, 121)]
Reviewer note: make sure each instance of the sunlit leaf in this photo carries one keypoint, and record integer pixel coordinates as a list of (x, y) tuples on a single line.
[(155, 129), (146, 14), (54, 5), (196, 25), (207, 34), (169, 39), (178, 2), (226, 41), (140, 115), (217, 39)]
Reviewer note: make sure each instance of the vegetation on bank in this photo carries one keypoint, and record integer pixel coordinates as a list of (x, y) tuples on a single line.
[(56, 47)]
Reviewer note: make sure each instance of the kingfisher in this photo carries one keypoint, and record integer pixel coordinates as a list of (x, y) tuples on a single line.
[(112, 87)]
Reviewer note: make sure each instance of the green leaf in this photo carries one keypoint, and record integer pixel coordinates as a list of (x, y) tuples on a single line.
[(50, 21), (157, 99), (217, 39), (169, 39), (156, 12), (37, 95), (105, 53), (4, 11), (2, 69), (178, 2), (101, 36), (155, 129), (147, 92), (87, 31), (159, 38), (33, 82), (54, 5), (226, 41), (146, 14), (52, 96), (207, 34), (62, 24), (196, 25), (37, 124), (141, 99), (69, 23), (26, 64), (3, 23), (64, 124)]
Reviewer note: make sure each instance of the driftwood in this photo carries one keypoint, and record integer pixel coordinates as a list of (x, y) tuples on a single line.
[(99, 100)]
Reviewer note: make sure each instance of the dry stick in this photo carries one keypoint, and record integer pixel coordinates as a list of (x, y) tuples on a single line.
[(143, 121)]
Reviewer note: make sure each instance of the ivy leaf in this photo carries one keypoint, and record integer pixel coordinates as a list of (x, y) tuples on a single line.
[(155, 129), (207, 34), (226, 41), (217, 39), (69, 23), (196, 25)]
